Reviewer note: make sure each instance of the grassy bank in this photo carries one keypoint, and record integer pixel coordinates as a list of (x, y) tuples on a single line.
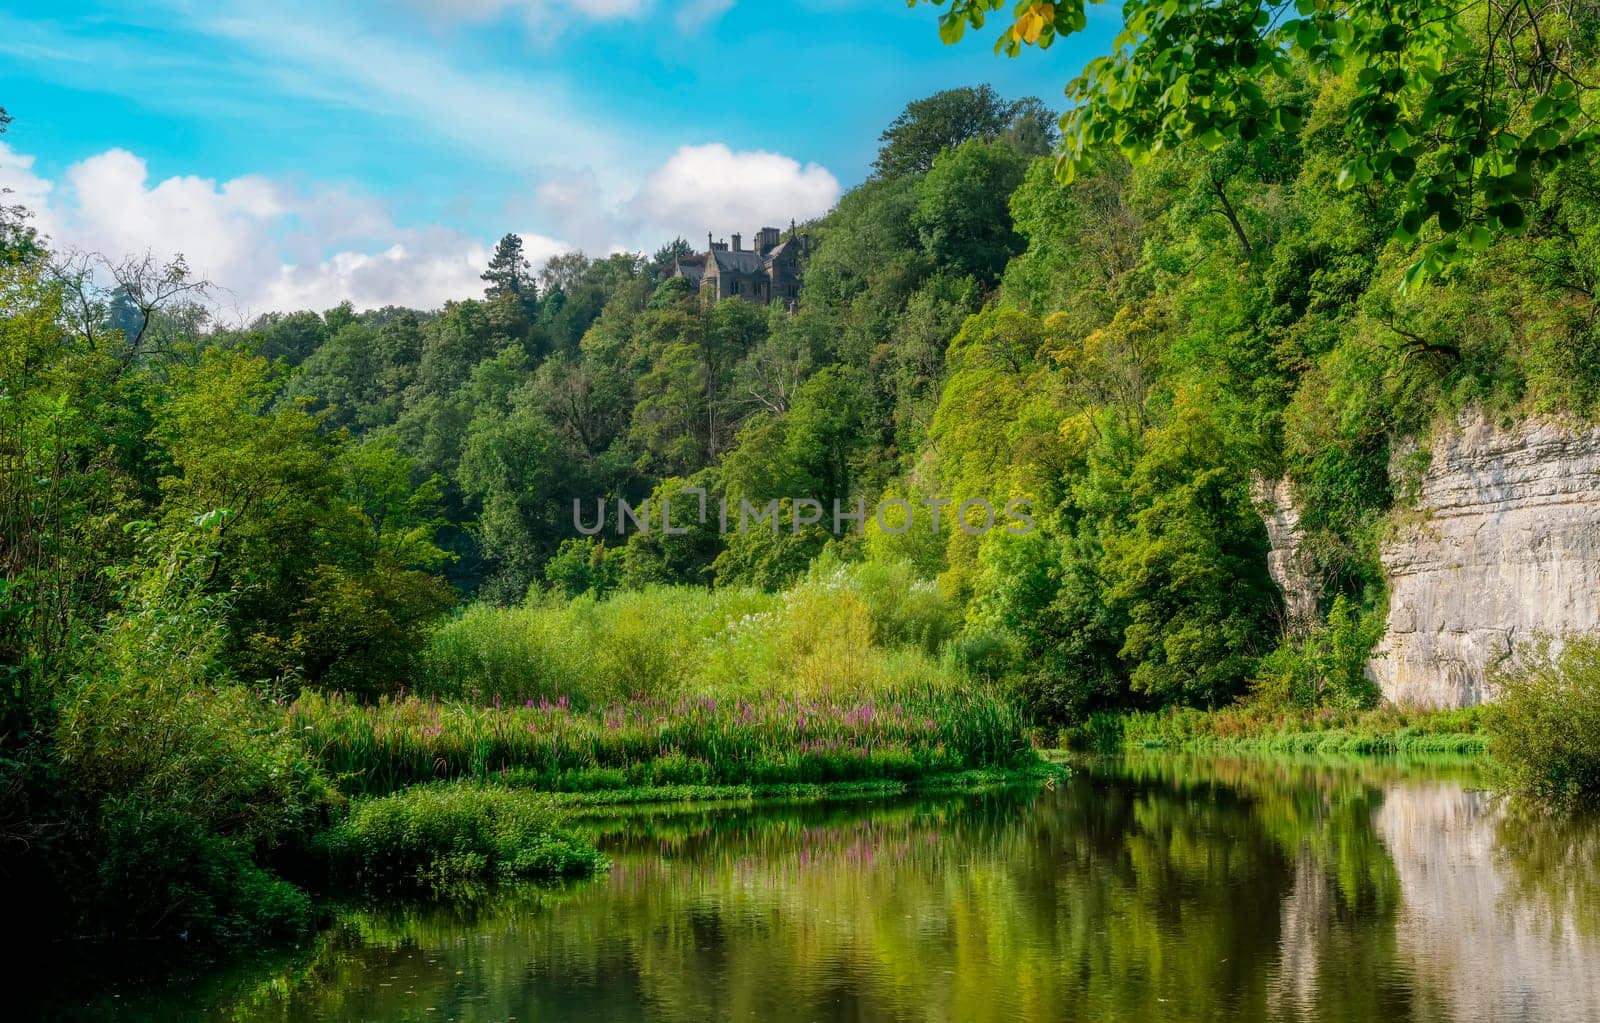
[(770, 740), (1382, 731)]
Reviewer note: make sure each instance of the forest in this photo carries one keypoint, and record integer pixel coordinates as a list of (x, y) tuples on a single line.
[(261, 580)]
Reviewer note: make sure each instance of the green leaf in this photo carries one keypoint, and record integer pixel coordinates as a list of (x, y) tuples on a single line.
[(1510, 215), (1411, 224), (1416, 272)]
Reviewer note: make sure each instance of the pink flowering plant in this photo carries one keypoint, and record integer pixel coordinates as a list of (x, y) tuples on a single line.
[(551, 744)]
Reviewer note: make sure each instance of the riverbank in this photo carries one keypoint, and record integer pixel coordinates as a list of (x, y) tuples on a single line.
[(1378, 732), (764, 740), (439, 792)]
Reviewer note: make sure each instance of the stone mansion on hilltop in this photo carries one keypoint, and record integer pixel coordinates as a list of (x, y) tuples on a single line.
[(768, 272)]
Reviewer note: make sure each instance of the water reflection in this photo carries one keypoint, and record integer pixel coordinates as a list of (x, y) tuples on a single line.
[(1160, 888), (1514, 943)]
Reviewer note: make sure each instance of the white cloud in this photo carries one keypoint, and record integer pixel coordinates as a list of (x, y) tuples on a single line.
[(712, 187), (18, 179), (576, 206), (216, 226), (266, 245), (423, 271), (263, 245)]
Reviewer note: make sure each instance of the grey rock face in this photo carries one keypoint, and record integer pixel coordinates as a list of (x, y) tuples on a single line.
[(1504, 543), (1289, 568)]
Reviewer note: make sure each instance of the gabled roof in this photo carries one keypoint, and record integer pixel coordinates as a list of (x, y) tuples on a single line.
[(744, 261), (690, 268), (782, 247)]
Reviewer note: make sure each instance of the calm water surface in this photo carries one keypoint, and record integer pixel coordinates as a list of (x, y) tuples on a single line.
[(1167, 888)]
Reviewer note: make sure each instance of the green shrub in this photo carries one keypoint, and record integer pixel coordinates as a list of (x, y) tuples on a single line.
[(1259, 727), (592, 651), (583, 565), (1100, 732), (218, 754), (169, 785), (1326, 667), (904, 609), (1544, 725), (159, 873), (436, 836)]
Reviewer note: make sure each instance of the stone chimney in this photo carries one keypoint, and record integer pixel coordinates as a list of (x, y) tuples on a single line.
[(736, 237), (766, 240)]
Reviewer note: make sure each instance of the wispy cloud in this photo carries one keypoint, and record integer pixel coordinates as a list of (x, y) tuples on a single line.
[(520, 121), (692, 14)]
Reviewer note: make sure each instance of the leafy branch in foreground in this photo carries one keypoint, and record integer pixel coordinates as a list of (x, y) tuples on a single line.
[(1457, 107)]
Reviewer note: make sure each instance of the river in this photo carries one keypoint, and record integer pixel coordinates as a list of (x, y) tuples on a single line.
[(1149, 888)]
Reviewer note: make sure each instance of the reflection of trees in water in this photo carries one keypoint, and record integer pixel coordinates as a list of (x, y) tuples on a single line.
[(1169, 889), (1553, 859), (1334, 892)]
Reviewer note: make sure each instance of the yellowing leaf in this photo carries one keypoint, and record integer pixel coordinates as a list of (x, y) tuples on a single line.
[(1032, 22)]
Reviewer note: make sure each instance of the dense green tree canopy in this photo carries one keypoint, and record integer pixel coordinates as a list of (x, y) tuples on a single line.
[(928, 127), (1458, 109)]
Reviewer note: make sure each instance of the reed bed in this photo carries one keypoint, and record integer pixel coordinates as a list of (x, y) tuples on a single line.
[(771, 739)]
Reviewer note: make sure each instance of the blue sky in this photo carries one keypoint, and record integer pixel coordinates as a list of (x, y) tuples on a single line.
[(303, 152)]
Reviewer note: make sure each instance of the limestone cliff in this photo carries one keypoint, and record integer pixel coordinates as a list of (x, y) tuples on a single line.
[(1501, 542), (1504, 543)]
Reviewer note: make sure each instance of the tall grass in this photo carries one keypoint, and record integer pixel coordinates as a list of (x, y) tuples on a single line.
[(865, 628), (443, 836), (1385, 730), (685, 741)]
